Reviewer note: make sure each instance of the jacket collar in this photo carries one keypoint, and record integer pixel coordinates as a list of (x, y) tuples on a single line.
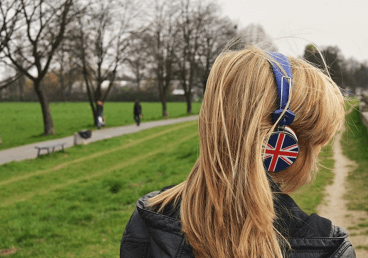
[(302, 231)]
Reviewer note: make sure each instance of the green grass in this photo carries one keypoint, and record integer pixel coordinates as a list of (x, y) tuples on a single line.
[(21, 123), (311, 195), (351, 102), (364, 247), (325, 175), (77, 203), (355, 146)]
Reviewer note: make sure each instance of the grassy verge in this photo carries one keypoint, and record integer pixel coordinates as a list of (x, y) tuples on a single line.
[(355, 146), (310, 196), (21, 123), (351, 102), (77, 203)]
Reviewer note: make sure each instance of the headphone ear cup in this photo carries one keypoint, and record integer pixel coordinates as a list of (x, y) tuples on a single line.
[(281, 150)]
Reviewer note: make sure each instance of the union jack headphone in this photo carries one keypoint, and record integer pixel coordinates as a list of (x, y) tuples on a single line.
[(282, 148)]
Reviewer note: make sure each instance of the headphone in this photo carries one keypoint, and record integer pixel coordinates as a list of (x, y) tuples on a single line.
[(282, 147)]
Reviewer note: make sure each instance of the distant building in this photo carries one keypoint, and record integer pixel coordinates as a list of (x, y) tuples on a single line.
[(177, 90), (80, 86)]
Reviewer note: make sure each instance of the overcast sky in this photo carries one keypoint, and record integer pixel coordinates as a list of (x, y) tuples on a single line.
[(292, 24)]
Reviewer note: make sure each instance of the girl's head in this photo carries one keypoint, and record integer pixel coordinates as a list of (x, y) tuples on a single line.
[(235, 117), (227, 207)]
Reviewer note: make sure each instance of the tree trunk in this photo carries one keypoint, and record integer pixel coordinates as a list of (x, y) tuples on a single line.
[(98, 91), (21, 82), (139, 84), (70, 84), (62, 86), (164, 109), (95, 115), (48, 125), (189, 102), (90, 96), (69, 92), (163, 101), (94, 111)]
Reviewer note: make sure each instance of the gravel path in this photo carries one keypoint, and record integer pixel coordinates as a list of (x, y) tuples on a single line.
[(334, 205), (29, 151)]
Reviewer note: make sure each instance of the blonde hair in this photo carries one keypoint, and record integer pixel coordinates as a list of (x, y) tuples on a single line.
[(227, 207)]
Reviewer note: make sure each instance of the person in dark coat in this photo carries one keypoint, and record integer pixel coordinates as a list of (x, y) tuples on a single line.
[(234, 202), (137, 111), (100, 118)]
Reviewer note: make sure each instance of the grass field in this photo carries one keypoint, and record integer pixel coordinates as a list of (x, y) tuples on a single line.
[(355, 146), (21, 123), (77, 203)]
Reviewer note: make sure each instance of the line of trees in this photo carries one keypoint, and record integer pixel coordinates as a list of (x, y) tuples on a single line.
[(93, 41), (52, 44), (347, 73)]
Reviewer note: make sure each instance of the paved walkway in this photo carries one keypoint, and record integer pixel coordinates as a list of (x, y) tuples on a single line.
[(29, 151)]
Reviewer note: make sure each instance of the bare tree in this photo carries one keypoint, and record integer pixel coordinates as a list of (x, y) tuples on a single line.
[(191, 23), (161, 42), (361, 75), (137, 57), (334, 59), (68, 70), (9, 13), (101, 43), (348, 69), (216, 34), (330, 56), (43, 24), (9, 17), (9, 81)]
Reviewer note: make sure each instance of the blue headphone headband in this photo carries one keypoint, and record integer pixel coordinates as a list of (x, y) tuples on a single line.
[(284, 84), (281, 150)]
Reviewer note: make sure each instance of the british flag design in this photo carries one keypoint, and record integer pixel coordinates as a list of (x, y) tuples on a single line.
[(281, 152)]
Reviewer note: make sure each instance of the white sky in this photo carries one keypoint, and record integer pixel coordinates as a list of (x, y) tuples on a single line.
[(292, 24)]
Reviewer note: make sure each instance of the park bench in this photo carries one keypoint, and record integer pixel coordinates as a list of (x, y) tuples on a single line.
[(48, 147)]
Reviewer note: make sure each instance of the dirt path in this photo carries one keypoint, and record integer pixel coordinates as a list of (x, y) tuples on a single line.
[(334, 205)]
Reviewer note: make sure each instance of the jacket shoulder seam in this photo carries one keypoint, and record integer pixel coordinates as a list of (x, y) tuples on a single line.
[(179, 253), (145, 210), (318, 238), (135, 240), (346, 245)]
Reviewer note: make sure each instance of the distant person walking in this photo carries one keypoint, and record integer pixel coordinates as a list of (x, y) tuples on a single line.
[(137, 112), (100, 118)]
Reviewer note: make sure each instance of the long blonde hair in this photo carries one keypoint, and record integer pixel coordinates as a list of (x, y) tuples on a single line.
[(227, 207)]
